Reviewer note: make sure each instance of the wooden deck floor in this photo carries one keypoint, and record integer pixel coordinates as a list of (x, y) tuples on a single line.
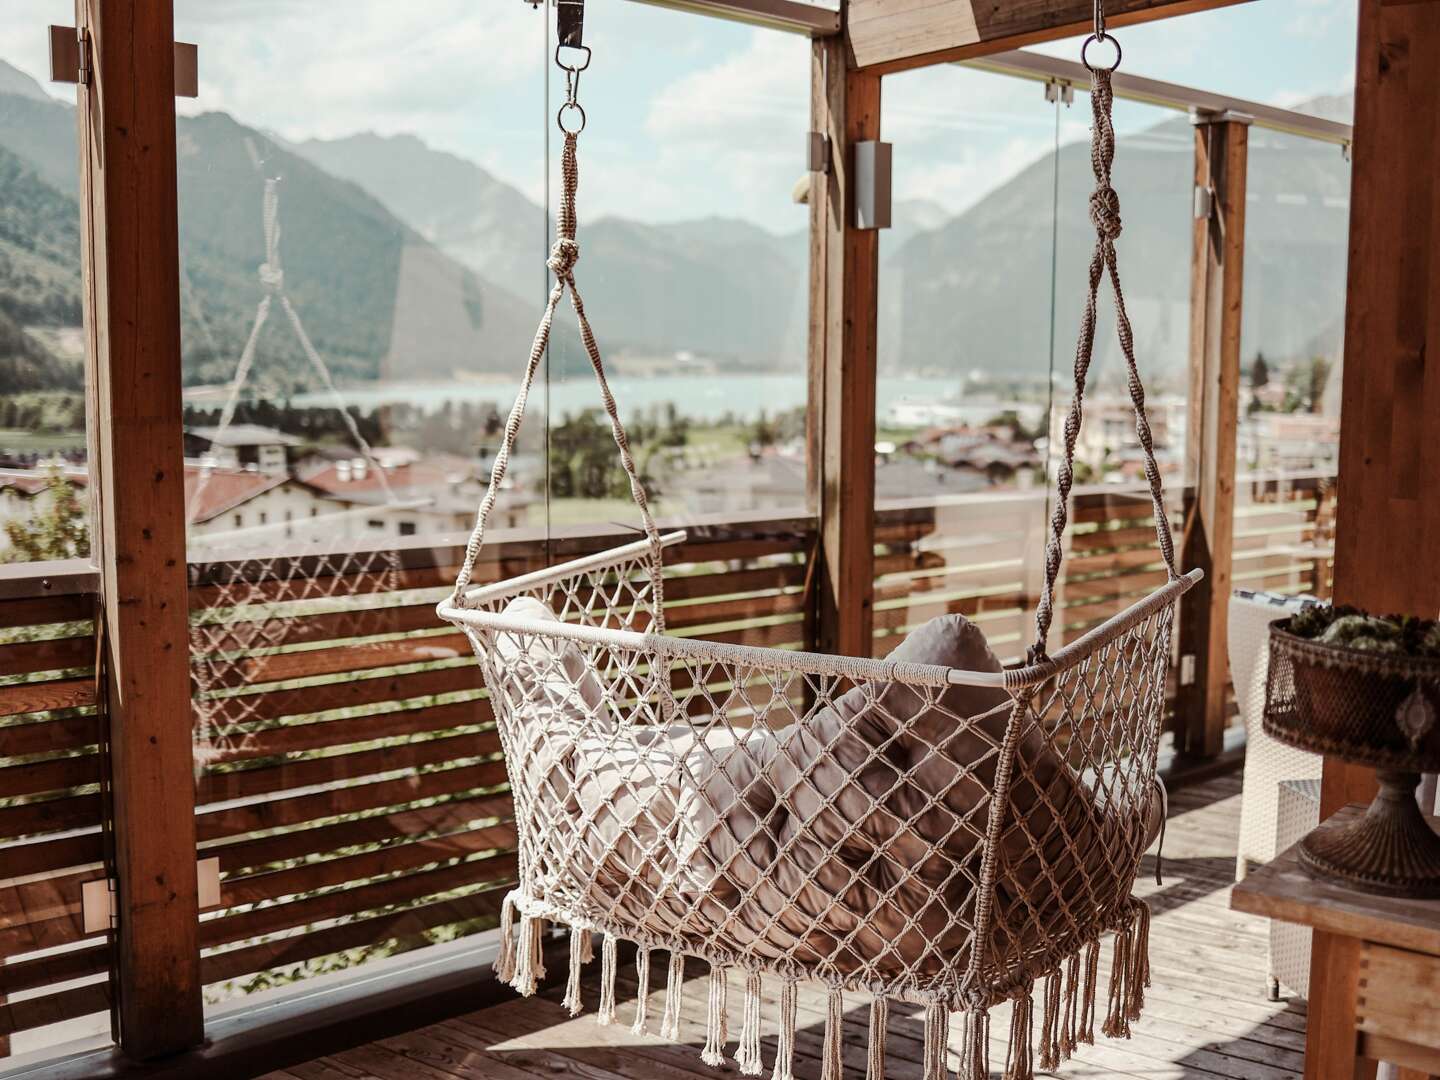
[(1206, 1015)]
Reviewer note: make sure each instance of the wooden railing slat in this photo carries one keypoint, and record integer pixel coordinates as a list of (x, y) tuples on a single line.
[(16, 699), (56, 774), (297, 809), (49, 736), (231, 964), (297, 773), (384, 828), (333, 905), (393, 859), (54, 1008)]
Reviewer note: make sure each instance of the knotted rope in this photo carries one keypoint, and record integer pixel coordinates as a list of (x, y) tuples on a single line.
[(564, 254), (1105, 216), (272, 280)]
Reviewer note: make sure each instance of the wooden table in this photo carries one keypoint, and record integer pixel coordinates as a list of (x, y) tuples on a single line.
[(1374, 969)]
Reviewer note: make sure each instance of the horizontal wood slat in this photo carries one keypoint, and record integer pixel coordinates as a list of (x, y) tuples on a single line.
[(218, 787), (233, 963), (32, 611), (54, 1008), (385, 828), (49, 856), (298, 809), (16, 699)]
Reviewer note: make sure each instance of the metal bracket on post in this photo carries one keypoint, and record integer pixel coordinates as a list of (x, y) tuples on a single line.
[(872, 184), (570, 23), (1204, 203), (817, 152), (99, 911), (1059, 90), (97, 905), (70, 61)]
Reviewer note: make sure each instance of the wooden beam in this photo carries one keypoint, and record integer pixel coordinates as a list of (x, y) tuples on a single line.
[(130, 256), (845, 265), (895, 35), (1387, 550), (1217, 261)]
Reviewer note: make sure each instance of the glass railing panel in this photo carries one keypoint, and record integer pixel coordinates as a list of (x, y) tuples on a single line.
[(1292, 358), (361, 229), (54, 974), (967, 278)]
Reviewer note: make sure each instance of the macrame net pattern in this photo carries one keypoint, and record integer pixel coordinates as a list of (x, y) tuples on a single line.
[(249, 586), (950, 838)]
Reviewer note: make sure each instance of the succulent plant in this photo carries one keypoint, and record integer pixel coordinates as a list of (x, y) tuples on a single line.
[(1356, 629), (1364, 632)]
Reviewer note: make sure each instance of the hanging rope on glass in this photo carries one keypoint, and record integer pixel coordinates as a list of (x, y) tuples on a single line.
[(259, 576)]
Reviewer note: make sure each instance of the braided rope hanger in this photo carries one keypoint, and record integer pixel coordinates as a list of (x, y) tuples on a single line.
[(1105, 216), (563, 256)]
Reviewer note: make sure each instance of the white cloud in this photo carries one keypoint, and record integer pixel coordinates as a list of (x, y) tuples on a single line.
[(724, 139), (387, 67)]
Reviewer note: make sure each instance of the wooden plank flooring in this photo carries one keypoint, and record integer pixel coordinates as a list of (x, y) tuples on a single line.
[(1206, 1015)]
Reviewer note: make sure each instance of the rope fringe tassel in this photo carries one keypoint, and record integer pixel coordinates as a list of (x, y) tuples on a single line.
[(1070, 1023), (1139, 977), (642, 992), (1018, 1063), (1086, 1034), (879, 1022), (937, 1040), (785, 1048), (1049, 1055), (529, 963), (573, 1001), (747, 1057), (606, 1014), (975, 1062), (505, 965), (1117, 1018), (715, 1020), (831, 1060), (674, 998)]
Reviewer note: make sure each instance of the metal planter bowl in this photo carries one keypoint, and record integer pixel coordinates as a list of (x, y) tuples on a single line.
[(1370, 708)]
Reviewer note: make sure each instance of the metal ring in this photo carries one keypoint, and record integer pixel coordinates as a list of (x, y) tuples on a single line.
[(1085, 49), (571, 67), (1092, 39), (560, 117)]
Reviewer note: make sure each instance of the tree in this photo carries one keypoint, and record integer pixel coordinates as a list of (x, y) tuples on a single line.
[(1319, 376), (1259, 372), (60, 531), (1259, 379)]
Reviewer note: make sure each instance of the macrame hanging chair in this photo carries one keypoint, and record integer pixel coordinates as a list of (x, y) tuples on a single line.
[(248, 585), (943, 834)]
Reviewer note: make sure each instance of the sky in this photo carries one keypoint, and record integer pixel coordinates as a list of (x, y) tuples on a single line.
[(688, 116)]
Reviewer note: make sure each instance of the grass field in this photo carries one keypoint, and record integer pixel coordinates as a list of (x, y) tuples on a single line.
[(30, 442)]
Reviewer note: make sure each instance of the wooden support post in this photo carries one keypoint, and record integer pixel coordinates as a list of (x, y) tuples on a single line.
[(844, 266), (130, 242), (1387, 533), (1216, 282)]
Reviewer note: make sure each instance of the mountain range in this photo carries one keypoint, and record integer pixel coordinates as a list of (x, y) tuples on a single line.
[(408, 262)]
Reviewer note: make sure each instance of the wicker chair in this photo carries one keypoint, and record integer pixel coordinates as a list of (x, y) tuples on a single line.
[(1270, 819)]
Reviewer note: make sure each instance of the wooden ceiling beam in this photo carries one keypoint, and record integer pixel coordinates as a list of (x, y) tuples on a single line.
[(885, 36)]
